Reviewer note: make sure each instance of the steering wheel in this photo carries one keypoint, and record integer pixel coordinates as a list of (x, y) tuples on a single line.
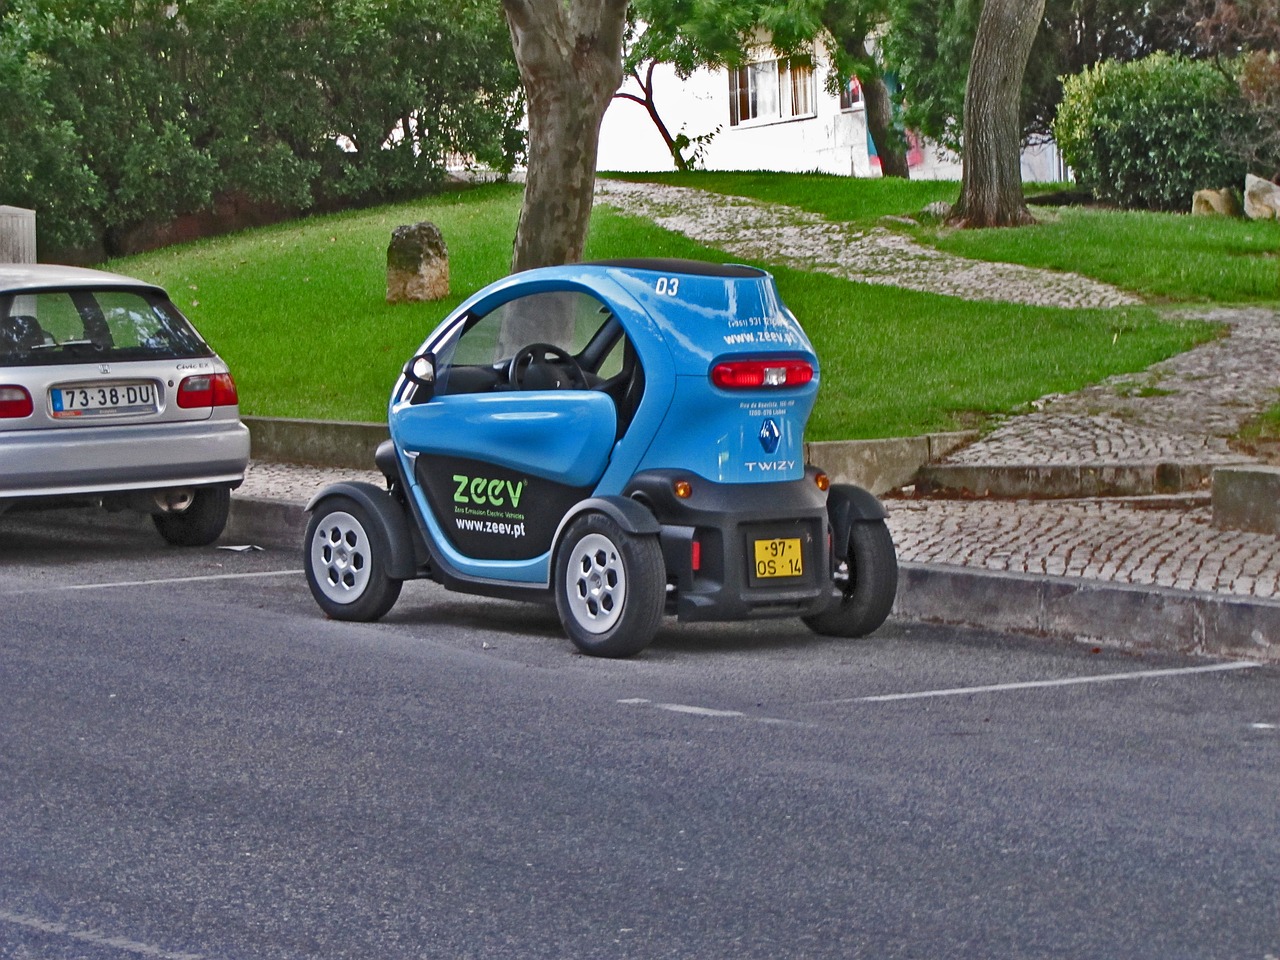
[(543, 366)]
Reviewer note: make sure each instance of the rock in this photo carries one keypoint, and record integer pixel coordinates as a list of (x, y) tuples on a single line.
[(417, 264), (1208, 203), (1261, 198)]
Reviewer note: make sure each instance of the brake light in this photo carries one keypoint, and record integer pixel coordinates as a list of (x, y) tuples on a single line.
[(748, 374), (208, 390), (15, 402)]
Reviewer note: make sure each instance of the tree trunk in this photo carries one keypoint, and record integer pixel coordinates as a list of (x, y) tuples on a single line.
[(991, 192), (890, 147), (570, 60)]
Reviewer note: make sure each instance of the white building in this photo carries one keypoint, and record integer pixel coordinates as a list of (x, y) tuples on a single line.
[(772, 114)]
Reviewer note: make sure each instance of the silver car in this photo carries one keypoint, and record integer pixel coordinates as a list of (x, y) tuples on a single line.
[(108, 396)]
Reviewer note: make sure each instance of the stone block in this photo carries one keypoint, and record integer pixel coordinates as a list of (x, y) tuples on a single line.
[(1247, 498), (1261, 198), (1220, 203), (417, 264)]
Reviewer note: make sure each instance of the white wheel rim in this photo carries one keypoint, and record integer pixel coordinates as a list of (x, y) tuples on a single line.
[(340, 557), (595, 583)]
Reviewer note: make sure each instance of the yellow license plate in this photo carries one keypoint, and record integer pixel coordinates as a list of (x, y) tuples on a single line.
[(779, 558)]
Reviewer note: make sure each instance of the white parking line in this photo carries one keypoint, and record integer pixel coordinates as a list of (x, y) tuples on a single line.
[(148, 583), (97, 939), (1038, 684)]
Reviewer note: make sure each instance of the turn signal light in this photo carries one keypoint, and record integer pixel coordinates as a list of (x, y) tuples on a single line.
[(750, 374), (208, 390), (682, 489), (823, 482), (15, 403)]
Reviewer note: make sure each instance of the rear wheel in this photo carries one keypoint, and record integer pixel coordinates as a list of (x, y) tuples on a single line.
[(867, 580), (201, 523), (346, 561), (611, 587)]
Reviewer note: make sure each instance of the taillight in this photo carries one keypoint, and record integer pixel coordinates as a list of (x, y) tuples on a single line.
[(207, 390), (749, 374), (15, 402)]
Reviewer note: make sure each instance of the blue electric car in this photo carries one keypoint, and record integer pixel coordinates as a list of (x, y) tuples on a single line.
[(623, 438)]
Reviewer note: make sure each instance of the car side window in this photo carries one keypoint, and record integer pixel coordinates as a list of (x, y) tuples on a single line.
[(477, 359)]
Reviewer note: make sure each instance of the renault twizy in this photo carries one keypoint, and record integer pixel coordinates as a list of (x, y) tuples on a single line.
[(623, 438)]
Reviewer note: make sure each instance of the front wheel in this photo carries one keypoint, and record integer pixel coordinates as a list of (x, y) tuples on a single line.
[(611, 587), (201, 523), (867, 580), (346, 561)]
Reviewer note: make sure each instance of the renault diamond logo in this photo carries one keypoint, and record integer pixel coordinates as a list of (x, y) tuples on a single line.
[(770, 435)]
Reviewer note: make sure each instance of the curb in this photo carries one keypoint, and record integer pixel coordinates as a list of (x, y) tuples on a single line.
[(1092, 611), (326, 443), (1064, 608), (1085, 481)]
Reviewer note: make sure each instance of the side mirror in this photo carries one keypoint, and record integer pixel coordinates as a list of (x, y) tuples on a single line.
[(421, 371)]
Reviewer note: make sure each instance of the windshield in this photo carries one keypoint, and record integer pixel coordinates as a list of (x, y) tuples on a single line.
[(80, 326)]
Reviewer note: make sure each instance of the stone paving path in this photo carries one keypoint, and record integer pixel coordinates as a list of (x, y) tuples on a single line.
[(774, 233), (1119, 541)]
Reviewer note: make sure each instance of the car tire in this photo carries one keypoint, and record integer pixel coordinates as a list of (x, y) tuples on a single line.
[(345, 556), (201, 523), (610, 587), (868, 583)]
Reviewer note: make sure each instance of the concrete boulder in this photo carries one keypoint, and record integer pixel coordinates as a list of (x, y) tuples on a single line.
[(417, 264), (1261, 198), (1210, 203)]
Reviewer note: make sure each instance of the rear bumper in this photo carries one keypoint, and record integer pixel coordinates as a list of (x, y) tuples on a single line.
[(725, 520), (103, 460)]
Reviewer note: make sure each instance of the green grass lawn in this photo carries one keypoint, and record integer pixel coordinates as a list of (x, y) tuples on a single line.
[(1162, 256), (299, 312)]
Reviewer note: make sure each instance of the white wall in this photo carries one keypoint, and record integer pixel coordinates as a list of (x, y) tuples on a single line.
[(831, 141)]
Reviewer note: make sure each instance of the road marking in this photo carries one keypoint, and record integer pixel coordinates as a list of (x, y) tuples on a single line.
[(1039, 684), (148, 583), (97, 939), (698, 711), (691, 710)]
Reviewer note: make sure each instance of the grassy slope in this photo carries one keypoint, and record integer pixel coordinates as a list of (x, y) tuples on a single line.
[(1159, 255), (298, 310)]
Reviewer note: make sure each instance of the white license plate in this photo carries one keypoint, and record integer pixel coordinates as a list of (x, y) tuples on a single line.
[(123, 398)]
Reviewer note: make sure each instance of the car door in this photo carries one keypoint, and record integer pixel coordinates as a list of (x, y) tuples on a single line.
[(519, 427)]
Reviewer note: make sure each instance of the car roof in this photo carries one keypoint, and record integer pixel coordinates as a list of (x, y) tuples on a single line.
[(17, 277)]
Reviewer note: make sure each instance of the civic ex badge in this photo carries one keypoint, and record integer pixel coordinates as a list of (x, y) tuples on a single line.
[(770, 435)]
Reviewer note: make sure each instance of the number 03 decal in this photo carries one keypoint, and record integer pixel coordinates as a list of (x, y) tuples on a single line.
[(667, 286)]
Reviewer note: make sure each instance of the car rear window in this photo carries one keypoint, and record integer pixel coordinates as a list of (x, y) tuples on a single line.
[(80, 326)]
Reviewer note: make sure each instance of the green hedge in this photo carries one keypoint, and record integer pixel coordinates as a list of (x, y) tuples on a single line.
[(1151, 132), (115, 114)]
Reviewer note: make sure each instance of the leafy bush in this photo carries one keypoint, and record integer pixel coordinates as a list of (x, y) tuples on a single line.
[(118, 114), (1151, 132)]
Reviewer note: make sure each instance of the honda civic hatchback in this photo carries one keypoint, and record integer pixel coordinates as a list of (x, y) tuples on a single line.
[(109, 397)]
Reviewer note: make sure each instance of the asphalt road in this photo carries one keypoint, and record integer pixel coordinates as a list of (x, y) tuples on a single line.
[(195, 764)]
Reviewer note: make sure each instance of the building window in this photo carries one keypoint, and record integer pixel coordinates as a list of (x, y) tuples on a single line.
[(771, 90), (850, 94)]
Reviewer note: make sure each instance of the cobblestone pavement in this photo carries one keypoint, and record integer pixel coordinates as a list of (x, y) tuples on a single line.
[(1117, 541), (774, 233), (1178, 411)]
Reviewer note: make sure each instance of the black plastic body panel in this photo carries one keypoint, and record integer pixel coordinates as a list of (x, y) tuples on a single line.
[(726, 520)]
